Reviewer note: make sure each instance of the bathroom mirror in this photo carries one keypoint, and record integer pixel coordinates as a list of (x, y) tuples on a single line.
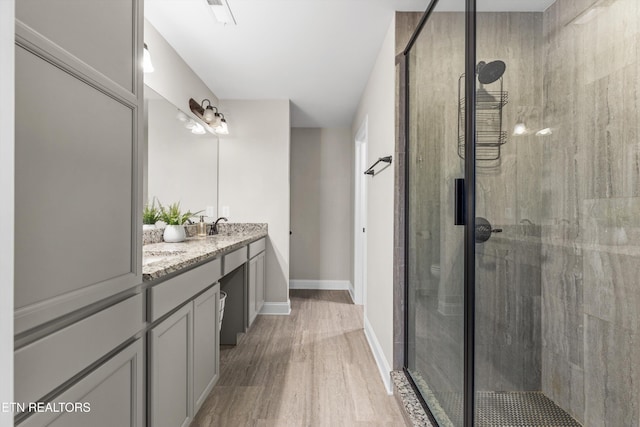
[(180, 164)]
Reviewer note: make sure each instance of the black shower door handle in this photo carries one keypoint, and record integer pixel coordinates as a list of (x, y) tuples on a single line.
[(459, 202)]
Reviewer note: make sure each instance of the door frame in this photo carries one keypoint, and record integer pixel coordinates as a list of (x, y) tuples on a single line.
[(359, 291)]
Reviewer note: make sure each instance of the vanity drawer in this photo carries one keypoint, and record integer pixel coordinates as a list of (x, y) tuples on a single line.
[(234, 260), (256, 247), (168, 295), (43, 365)]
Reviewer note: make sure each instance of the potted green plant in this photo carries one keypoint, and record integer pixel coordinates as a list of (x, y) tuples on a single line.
[(150, 215), (175, 219)]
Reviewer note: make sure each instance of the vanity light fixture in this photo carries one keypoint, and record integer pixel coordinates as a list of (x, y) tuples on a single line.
[(213, 120), (207, 115), (147, 66)]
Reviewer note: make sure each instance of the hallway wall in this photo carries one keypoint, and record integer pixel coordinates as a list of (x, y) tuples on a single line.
[(254, 182), (378, 105), (321, 205)]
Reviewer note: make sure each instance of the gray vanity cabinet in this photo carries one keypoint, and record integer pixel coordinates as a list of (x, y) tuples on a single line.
[(114, 392), (171, 370), (85, 56), (206, 344), (255, 299), (184, 360)]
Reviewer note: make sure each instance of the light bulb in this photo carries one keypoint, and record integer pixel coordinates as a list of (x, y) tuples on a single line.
[(209, 115), (222, 129)]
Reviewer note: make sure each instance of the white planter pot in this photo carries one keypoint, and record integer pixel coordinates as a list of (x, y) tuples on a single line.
[(148, 226), (174, 234)]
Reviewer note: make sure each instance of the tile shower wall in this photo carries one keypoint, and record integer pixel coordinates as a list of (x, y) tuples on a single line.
[(591, 223), (508, 195)]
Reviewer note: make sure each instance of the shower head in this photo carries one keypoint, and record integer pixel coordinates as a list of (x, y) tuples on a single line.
[(489, 73)]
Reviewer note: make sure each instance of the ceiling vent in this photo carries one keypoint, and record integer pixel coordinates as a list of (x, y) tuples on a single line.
[(222, 12)]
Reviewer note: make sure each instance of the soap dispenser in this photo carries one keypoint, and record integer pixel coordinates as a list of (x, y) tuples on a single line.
[(202, 227)]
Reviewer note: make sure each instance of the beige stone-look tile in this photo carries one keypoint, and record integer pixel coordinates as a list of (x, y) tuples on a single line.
[(612, 372)]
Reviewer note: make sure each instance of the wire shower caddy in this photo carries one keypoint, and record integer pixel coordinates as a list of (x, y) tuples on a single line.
[(489, 134)]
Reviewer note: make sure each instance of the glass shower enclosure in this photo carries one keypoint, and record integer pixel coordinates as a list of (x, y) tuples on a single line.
[(522, 133)]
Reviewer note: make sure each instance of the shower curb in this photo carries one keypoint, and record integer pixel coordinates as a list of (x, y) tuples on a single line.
[(413, 411)]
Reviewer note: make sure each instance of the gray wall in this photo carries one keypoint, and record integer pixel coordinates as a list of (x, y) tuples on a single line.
[(377, 106), (254, 181), (321, 170)]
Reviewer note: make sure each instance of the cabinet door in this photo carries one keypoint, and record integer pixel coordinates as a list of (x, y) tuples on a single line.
[(251, 297), (260, 282), (66, 160), (113, 393), (206, 344), (171, 370)]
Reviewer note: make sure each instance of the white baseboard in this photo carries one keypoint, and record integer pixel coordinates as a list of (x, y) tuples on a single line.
[(383, 364), (324, 285), (352, 292), (276, 308)]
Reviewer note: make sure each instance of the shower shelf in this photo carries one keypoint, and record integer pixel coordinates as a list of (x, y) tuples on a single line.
[(489, 134)]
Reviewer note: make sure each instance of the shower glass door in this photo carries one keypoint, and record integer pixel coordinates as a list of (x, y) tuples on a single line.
[(435, 270)]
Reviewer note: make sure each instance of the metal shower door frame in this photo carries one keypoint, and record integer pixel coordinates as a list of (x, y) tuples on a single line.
[(469, 211)]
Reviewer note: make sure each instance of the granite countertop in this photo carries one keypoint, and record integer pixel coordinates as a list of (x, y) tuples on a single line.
[(162, 259)]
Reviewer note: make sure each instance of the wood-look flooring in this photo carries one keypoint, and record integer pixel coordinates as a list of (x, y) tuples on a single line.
[(312, 368)]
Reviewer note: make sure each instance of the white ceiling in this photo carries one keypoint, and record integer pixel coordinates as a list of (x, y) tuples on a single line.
[(317, 53)]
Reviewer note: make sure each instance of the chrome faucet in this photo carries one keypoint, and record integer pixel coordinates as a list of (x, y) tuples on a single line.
[(214, 228)]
